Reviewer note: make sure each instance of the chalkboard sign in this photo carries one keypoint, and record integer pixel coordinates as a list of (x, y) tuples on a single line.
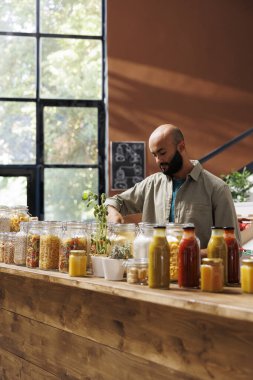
[(127, 164)]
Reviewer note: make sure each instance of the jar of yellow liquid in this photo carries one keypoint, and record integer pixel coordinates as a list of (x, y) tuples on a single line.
[(217, 248), (247, 275), (77, 263), (212, 275)]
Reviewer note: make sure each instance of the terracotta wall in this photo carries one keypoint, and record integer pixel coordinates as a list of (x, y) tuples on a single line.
[(187, 62)]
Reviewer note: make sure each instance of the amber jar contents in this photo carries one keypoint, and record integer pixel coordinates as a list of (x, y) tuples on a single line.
[(188, 259), (212, 274), (159, 260), (77, 263), (217, 248), (247, 275), (233, 255)]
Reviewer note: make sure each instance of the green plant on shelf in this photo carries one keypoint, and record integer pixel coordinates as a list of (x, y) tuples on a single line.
[(99, 238), (121, 252), (239, 184)]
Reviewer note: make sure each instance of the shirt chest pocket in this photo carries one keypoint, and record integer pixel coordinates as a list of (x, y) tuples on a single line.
[(197, 209)]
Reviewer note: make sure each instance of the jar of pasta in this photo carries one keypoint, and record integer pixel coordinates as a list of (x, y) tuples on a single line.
[(9, 248), (3, 236), (35, 229), (50, 245), (174, 233), (74, 237), (4, 219), (18, 214), (122, 238), (21, 244)]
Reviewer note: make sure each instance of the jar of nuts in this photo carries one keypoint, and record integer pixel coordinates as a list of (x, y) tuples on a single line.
[(174, 233), (137, 271)]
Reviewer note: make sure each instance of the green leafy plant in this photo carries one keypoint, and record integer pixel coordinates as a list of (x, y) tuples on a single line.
[(239, 184), (99, 238), (121, 252)]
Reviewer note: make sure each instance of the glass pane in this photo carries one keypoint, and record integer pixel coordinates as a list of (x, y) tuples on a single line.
[(71, 69), (63, 192), (17, 69), (13, 191), (17, 133), (71, 17), (70, 135), (17, 16)]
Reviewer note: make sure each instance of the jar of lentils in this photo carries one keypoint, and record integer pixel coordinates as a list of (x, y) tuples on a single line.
[(4, 219), (21, 244)]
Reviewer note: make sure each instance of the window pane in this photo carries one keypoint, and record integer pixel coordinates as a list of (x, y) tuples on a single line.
[(71, 17), (17, 16), (71, 69), (17, 69), (13, 191), (63, 192), (70, 135), (17, 133)]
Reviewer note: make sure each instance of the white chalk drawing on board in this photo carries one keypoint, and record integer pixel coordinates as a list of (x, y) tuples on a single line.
[(127, 164)]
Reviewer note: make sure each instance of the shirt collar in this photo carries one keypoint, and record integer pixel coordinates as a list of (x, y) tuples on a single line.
[(197, 168)]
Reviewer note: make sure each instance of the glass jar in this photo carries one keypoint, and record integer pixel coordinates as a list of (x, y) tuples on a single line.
[(18, 214), (77, 263), (159, 259), (3, 236), (142, 241), (74, 237), (50, 245), (5, 221), (9, 248), (137, 271), (35, 229), (233, 255), (122, 238), (21, 244), (247, 275), (174, 233), (212, 275), (217, 248), (188, 259)]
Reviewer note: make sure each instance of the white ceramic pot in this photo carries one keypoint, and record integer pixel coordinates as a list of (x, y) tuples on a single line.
[(113, 269), (97, 265)]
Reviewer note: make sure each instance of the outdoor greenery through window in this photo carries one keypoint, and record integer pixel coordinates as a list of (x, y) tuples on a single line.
[(52, 105)]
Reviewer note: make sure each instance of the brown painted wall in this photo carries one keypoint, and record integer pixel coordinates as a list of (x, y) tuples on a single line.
[(187, 62)]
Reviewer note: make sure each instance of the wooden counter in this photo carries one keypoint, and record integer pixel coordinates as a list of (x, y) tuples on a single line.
[(53, 326)]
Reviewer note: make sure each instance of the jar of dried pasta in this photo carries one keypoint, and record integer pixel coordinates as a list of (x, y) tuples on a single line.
[(4, 219), (21, 244), (18, 214), (50, 245), (35, 229), (174, 233), (74, 237)]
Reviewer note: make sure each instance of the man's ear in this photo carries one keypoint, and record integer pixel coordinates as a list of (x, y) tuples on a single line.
[(181, 146)]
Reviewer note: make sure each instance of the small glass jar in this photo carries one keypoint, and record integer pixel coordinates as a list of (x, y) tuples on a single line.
[(122, 238), (9, 248), (5, 221), (3, 237), (142, 241), (137, 271), (50, 245), (74, 237), (18, 214), (217, 248), (247, 275), (35, 229), (212, 275), (77, 263), (174, 233), (21, 244)]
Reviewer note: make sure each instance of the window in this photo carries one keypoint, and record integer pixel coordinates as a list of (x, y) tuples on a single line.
[(52, 105)]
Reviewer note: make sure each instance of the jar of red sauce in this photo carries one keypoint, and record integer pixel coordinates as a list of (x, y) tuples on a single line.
[(233, 255), (188, 259)]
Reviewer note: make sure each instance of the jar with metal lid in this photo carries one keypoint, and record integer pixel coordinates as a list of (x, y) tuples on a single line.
[(212, 275), (247, 275), (137, 271), (50, 245), (74, 237), (5, 221), (122, 238), (18, 214), (143, 239), (21, 244), (217, 248), (174, 233), (3, 236), (9, 248), (77, 263), (35, 229)]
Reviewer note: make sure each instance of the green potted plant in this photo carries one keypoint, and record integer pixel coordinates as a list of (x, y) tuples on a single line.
[(114, 264), (239, 184)]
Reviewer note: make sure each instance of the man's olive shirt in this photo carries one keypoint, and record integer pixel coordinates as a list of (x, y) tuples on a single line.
[(203, 199)]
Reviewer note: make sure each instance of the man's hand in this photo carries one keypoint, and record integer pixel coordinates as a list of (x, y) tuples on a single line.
[(114, 216)]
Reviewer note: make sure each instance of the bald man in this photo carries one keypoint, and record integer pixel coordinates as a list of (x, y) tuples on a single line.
[(183, 192)]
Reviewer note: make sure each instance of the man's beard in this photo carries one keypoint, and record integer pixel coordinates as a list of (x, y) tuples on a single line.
[(174, 166)]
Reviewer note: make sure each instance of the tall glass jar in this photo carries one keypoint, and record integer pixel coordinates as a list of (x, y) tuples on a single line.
[(74, 237), (217, 248), (189, 259), (21, 244), (3, 236), (247, 275), (35, 229), (159, 260), (5, 221), (142, 241), (18, 214), (122, 238), (50, 245), (174, 233), (9, 248), (233, 255)]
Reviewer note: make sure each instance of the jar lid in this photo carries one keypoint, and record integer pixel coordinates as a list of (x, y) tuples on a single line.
[(217, 228), (212, 261), (77, 252), (161, 226), (229, 228), (248, 261), (189, 226)]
